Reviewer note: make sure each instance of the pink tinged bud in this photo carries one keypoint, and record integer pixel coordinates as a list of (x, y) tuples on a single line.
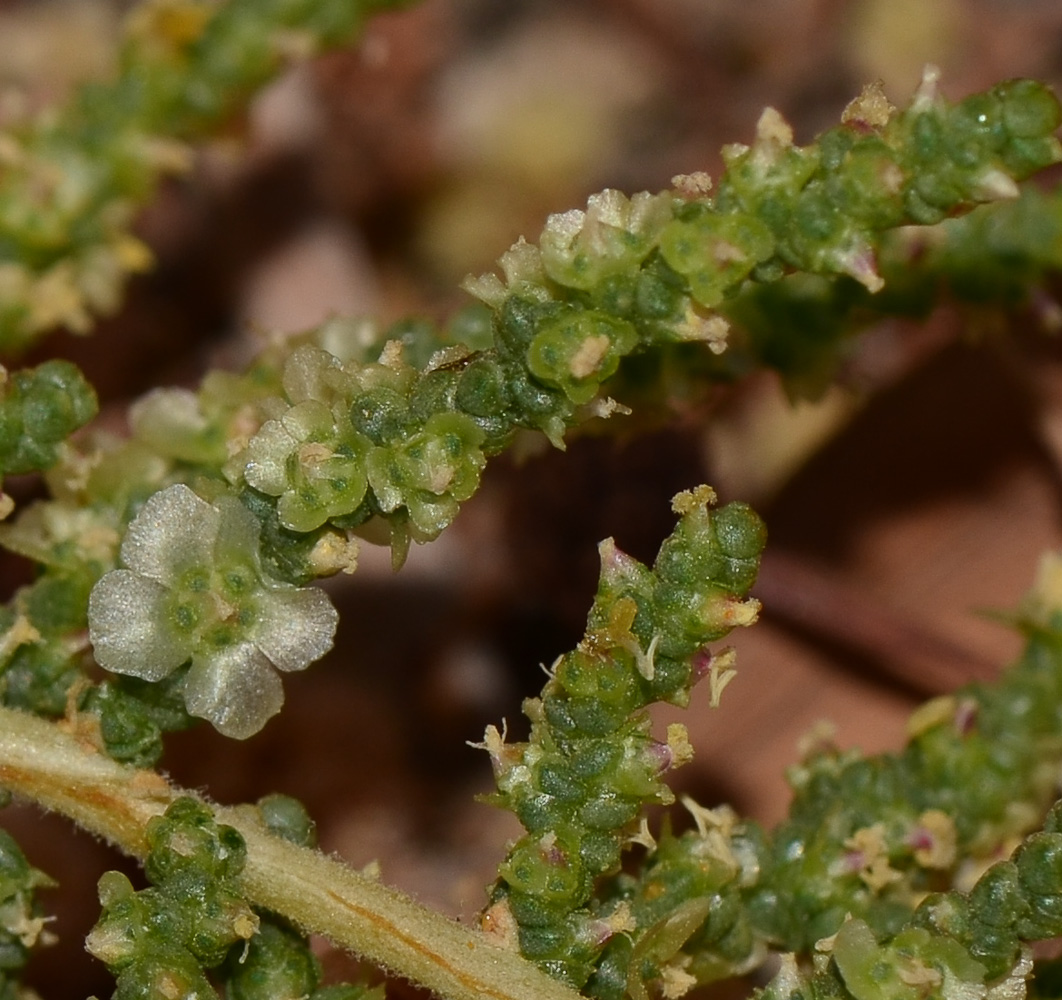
[(672, 754), (860, 263), (550, 852), (700, 664), (596, 933), (933, 840), (659, 755), (555, 857), (966, 716), (870, 111), (616, 566)]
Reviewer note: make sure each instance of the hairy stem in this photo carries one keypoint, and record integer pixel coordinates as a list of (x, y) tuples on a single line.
[(48, 764)]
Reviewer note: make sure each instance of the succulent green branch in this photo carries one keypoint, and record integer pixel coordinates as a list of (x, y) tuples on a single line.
[(590, 766)]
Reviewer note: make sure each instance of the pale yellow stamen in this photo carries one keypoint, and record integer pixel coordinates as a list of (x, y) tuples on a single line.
[(587, 359)]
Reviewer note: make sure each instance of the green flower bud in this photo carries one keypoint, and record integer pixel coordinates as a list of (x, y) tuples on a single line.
[(1039, 862), (577, 351), (547, 870), (715, 252), (481, 389), (173, 974), (39, 409), (659, 293), (287, 817), (614, 234), (430, 472), (39, 675), (434, 392), (381, 414), (1029, 108), (313, 461), (519, 320), (128, 731), (312, 373), (277, 963), (869, 185), (57, 602), (187, 846)]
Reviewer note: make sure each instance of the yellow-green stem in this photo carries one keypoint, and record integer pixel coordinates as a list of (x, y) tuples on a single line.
[(50, 765)]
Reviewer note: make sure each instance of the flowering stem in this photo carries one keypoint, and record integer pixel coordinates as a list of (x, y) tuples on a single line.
[(50, 765)]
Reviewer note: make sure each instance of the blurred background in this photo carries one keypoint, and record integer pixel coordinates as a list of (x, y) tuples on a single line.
[(903, 507)]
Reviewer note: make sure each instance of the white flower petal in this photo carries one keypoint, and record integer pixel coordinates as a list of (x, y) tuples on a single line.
[(236, 688), (169, 420), (238, 534), (128, 628), (310, 421), (174, 530), (295, 627), (308, 373), (266, 458)]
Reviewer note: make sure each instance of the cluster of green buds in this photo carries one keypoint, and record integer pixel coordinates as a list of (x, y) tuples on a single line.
[(159, 940), (43, 626), (162, 941), (868, 837), (995, 258), (650, 269), (70, 183), (591, 763), (100, 485), (336, 438), (817, 209), (879, 858), (820, 210), (39, 409), (352, 442), (97, 486), (401, 436), (970, 944), (21, 922)]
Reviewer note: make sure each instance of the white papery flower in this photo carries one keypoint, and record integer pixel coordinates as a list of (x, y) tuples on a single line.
[(193, 589)]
